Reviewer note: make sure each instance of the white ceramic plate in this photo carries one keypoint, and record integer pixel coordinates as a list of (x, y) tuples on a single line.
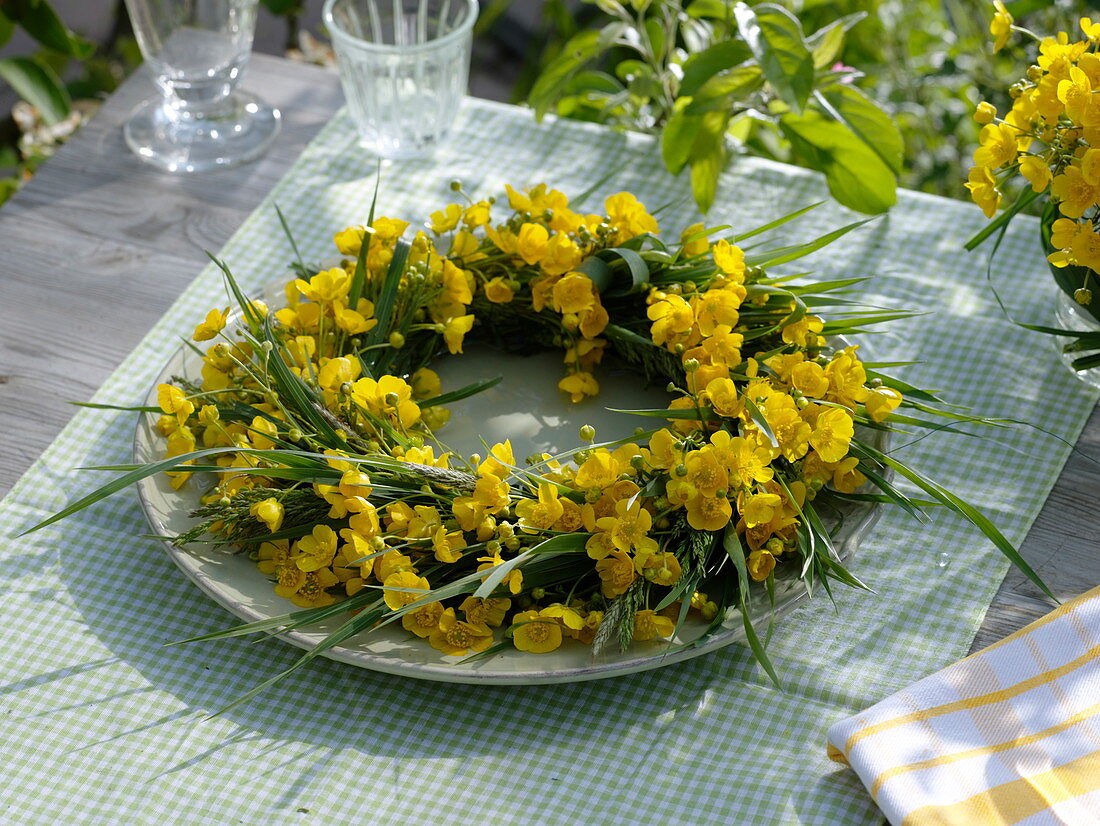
[(527, 408)]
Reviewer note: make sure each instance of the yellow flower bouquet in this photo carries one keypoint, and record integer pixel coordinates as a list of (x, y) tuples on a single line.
[(317, 430), (1050, 139)]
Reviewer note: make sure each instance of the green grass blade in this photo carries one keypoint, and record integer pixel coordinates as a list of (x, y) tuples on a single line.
[(962, 508), (383, 308)]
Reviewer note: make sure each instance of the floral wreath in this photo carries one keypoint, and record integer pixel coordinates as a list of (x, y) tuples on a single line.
[(321, 422)]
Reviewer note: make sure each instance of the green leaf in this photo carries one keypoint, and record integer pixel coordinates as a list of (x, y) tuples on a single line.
[(7, 28), (575, 55), (848, 105), (784, 255), (713, 9), (41, 22), (123, 481), (962, 508), (775, 37), (678, 137), (858, 178), (38, 85), (598, 270), (1026, 196), (359, 276), (761, 422), (462, 393), (708, 159), (701, 414), (636, 269), (591, 81), (656, 36), (778, 222), (701, 67), (725, 90), (383, 308), (293, 244), (826, 43)]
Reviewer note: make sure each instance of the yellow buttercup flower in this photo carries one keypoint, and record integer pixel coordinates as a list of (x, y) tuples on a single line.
[(1001, 25), (716, 307), (315, 550), (561, 255), (350, 240), (540, 514), (456, 638), (627, 214), (424, 620), (628, 529), (832, 434), (499, 291), (389, 229), (985, 113), (574, 293), (326, 286), (648, 625), (446, 219), (729, 259), (464, 245), (1077, 95), (746, 462), (661, 568), (514, 578), (500, 462), (173, 402), (448, 545), (1091, 29), (389, 397), (531, 243), (403, 588), (305, 589), (998, 146), (536, 633), (455, 330), (882, 402), (489, 611), (270, 512), (708, 513), (983, 190), (760, 564), (847, 477), (476, 215), (671, 317), (616, 572), (214, 324), (579, 386), (1073, 193), (809, 378), (693, 241), (1036, 171)]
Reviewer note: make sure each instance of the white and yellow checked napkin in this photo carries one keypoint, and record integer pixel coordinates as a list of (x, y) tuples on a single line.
[(1011, 734)]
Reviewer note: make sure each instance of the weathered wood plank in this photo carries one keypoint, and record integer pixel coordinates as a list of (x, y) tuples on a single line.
[(107, 192), (1063, 545), (99, 234)]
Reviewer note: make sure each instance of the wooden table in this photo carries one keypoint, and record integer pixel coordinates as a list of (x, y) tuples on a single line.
[(99, 244)]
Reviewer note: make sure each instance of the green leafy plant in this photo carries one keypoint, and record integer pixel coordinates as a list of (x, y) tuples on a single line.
[(707, 74), (32, 77)]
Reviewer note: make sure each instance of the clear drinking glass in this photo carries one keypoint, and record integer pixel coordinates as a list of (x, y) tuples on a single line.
[(197, 51), (404, 65)]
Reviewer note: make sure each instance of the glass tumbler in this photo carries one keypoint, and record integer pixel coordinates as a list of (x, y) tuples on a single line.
[(197, 51), (404, 65)]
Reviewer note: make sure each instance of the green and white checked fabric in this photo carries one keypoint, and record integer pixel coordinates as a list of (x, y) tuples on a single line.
[(102, 724)]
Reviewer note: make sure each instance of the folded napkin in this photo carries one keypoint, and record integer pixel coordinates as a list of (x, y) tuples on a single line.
[(1011, 734)]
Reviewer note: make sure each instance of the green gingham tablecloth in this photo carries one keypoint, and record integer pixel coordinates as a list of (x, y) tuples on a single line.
[(100, 723)]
